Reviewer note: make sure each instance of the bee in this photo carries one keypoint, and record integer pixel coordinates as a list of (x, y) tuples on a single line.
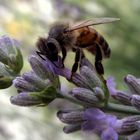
[(63, 37)]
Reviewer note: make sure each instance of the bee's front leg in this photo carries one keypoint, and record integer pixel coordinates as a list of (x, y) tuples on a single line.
[(64, 54), (40, 55)]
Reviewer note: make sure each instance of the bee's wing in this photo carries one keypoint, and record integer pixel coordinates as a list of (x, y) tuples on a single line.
[(92, 22)]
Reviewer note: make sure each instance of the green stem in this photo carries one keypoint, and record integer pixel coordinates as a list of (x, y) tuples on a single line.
[(109, 107), (122, 109)]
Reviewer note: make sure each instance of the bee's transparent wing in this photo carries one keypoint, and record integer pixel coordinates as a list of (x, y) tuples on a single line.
[(91, 22)]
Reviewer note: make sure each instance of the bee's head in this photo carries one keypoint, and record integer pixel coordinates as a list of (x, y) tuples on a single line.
[(49, 48), (60, 33)]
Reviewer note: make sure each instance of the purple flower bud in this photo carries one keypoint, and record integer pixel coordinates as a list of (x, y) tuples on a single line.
[(43, 69), (91, 77), (138, 124), (10, 54), (81, 80), (23, 85), (135, 101), (99, 93), (36, 81), (85, 62), (7, 44), (109, 134), (71, 128), (86, 96), (77, 79), (133, 83), (70, 117), (122, 97), (111, 85), (127, 125), (24, 99), (43, 97)]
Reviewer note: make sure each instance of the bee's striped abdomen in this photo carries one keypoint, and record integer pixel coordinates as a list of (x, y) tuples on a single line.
[(104, 46)]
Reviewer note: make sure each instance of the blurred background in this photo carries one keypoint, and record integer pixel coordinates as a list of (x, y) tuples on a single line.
[(26, 20)]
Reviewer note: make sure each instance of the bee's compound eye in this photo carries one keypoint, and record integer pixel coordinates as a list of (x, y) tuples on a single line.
[(65, 31), (51, 46)]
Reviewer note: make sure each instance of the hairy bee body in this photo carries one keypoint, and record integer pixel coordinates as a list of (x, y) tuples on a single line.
[(63, 37), (88, 38)]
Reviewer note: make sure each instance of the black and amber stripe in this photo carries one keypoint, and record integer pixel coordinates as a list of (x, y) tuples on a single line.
[(104, 45)]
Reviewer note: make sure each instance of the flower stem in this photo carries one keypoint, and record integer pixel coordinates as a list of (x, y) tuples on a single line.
[(109, 107), (121, 108)]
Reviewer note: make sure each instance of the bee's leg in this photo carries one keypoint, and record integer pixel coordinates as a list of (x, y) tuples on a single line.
[(98, 59), (82, 57), (74, 49), (76, 63), (40, 55), (64, 54)]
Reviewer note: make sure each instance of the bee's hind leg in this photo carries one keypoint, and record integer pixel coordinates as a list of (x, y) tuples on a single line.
[(98, 60), (76, 63)]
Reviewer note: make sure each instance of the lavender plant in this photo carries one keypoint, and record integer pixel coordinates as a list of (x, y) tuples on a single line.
[(106, 111)]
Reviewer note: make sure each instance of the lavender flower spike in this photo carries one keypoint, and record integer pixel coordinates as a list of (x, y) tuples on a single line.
[(11, 61)]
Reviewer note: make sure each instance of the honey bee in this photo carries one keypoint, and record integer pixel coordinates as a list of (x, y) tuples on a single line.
[(63, 37)]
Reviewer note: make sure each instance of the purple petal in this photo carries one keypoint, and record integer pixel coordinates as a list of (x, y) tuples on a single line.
[(89, 114), (111, 120), (94, 119), (97, 121), (111, 85), (109, 134)]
